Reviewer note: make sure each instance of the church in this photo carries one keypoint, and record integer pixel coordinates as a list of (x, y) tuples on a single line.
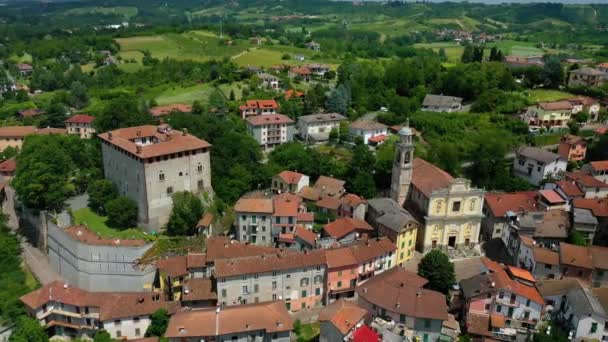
[(449, 208)]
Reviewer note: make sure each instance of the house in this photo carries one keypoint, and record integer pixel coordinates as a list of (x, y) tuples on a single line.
[(449, 209), (393, 221), (30, 113), (302, 239), (166, 110), (269, 81), (13, 136), (329, 205), (399, 295), (254, 70), (352, 206), (536, 164), (366, 130), (589, 185), (572, 148), (586, 263), (318, 69), (584, 222), (515, 62), (346, 230), (544, 263), (324, 187), (258, 107), (551, 200), (268, 321), (554, 291), (270, 130), (198, 293), (317, 127), (499, 208), (602, 67), (599, 170), (289, 181), (205, 224), (172, 271), (501, 302), (296, 277), (587, 104), (150, 163), (81, 125), (313, 46), (599, 210), (440, 103), (7, 170), (340, 319), (301, 73), (25, 69), (550, 115), (293, 94), (584, 312), (587, 77), (69, 312), (256, 41)]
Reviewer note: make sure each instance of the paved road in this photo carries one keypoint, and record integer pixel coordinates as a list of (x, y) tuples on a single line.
[(36, 261)]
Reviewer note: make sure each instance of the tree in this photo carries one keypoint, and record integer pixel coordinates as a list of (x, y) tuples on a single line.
[(217, 101), (27, 329), (232, 95), (158, 323), (438, 270), (79, 97), (599, 150), (102, 336), (187, 211), (119, 113), (101, 192), (54, 115), (576, 238), (442, 55), (553, 72), (122, 213), (360, 174), (339, 100), (467, 54)]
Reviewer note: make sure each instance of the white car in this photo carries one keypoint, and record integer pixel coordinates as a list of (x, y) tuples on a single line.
[(534, 129), (383, 109)]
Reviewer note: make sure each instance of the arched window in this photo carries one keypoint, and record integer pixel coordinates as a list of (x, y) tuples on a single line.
[(304, 282), (318, 279)]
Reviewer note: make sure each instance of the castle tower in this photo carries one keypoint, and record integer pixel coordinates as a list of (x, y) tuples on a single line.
[(403, 165)]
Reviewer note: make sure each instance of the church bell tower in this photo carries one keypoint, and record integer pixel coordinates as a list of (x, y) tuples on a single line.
[(403, 165)]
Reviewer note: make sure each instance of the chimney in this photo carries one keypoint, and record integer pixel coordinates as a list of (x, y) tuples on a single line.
[(109, 135), (185, 132), (138, 149), (365, 290), (138, 133), (418, 293)]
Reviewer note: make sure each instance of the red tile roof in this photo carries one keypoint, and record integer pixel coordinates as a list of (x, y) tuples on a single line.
[(340, 257), (345, 226), (499, 203), (305, 234), (351, 200), (16, 131), (271, 317), (302, 217), (290, 177), (8, 165), (286, 206), (366, 125), (599, 165), (371, 249), (86, 236), (328, 186), (378, 138), (503, 281), (601, 130), (545, 256), (80, 119), (269, 119), (174, 266), (284, 260), (556, 105), (254, 205), (521, 273), (302, 71), (599, 206), (198, 289), (223, 248), (293, 93), (169, 141), (573, 255), (260, 104), (343, 314), (168, 109), (330, 203), (28, 113), (585, 179), (570, 188), (196, 260), (366, 334), (551, 196), (427, 177), (206, 220), (287, 237)]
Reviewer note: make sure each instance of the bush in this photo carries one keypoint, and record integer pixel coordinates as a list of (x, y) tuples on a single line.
[(101, 192), (122, 213), (286, 56)]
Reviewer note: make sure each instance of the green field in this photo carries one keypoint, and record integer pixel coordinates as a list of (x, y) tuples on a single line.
[(123, 11), (453, 50), (546, 95), (98, 225), (190, 94), (309, 332)]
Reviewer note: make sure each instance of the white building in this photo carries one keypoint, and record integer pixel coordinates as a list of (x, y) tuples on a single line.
[(289, 181), (599, 170), (367, 130), (440, 103), (535, 164), (316, 127), (270, 130), (269, 81), (81, 125), (149, 163)]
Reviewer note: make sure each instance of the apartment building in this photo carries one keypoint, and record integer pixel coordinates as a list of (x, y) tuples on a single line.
[(316, 128), (549, 114), (270, 130), (70, 312), (149, 164), (268, 322), (589, 185), (81, 125)]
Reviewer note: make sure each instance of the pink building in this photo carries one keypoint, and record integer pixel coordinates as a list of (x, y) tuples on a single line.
[(572, 148)]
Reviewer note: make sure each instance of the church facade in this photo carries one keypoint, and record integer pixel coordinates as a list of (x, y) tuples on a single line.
[(450, 208)]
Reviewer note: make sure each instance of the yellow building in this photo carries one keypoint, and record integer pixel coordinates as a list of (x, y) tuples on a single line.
[(449, 209), (396, 223)]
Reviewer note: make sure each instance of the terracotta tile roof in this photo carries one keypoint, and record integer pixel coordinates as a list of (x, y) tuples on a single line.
[(555, 224), (344, 226), (329, 186), (601, 130), (287, 237), (269, 119), (174, 266), (378, 138), (146, 339), (427, 177), (570, 188), (16, 131), (572, 139), (196, 260), (168, 140), (24, 67), (330, 203), (400, 291), (223, 248), (271, 317), (601, 294), (301, 217), (599, 165), (86, 236), (503, 281), (168, 109), (8, 165), (293, 93), (302, 71), (553, 287), (51, 130), (28, 113), (286, 206), (545, 256), (351, 200), (340, 257), (573, 255), (585, 179), (598, 206), (198, 289), (284, 260), (80, 119), (478, 324), (555, 105), (307, 235), (59, 292), (342, 314), (499, 202), (254, 205), (521, 273), (366, 125), (290, 177), (599, 257), (551, 196), (206, 220), (370, 249), (310, 193), (526, 240)]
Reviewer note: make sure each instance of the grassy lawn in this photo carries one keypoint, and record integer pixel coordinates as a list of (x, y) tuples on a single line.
[(548, 139), (453, 50), (26, 58), (309, 332), (189, 94), (544, 95), (30, 280), (123, 11), (98, 225)]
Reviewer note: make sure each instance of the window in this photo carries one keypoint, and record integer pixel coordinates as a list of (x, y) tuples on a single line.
[(304, 294), (136, 319), (318, 279), (224, 294), (277, 220), (245, 290), (528, 302), (498, 308), (288, 276), (274, 274), (274, 297), (339, 273), (403, 244), (161, 177), (427, 323), (304, 282), (118, 334), (593, 328), (137, 332), (487, 307), (402, 318), (339, 284), (117, 322), (200, 184), (274, 285), (199, 168), (456, 206), (256, 288), (169, 190), (317, 291), (472, 204), (439, 206), (401, 255)]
